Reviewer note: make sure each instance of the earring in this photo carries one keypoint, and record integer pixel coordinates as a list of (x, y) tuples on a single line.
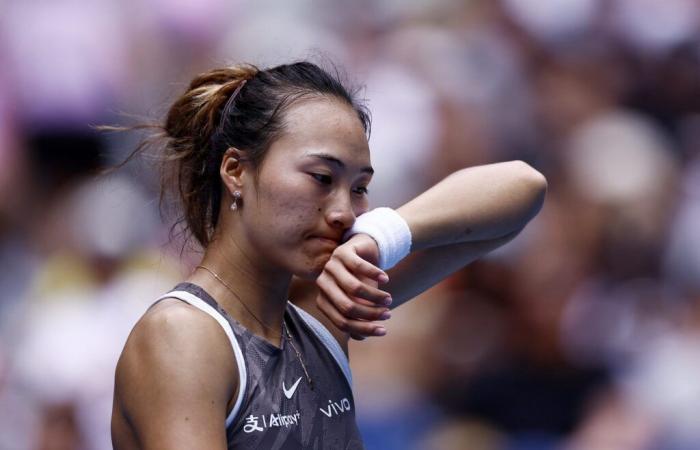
[(236, 199)]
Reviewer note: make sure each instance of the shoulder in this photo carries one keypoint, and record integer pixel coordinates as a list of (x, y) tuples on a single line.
[(175, 325), (172, 333), (176, 362)]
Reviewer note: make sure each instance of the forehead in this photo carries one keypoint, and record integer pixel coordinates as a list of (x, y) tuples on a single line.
[(324, 124)]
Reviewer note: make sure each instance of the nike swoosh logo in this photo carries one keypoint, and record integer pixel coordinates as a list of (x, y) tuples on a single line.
[(289, 392)]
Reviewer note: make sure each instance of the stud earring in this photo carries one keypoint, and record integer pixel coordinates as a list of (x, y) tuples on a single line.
[(236, 199)]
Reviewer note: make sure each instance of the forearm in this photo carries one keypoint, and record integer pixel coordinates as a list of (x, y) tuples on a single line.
[(475, 204), (425, 268), (463, 217)]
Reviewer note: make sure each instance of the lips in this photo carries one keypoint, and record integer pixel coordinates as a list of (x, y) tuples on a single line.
[(331, 240), (328, 240)]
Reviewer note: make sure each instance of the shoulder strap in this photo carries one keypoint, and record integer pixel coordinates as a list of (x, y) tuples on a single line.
[(200, 304), (328, 341)]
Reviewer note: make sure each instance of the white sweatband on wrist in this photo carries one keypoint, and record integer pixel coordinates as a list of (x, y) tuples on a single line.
[(389, 230)]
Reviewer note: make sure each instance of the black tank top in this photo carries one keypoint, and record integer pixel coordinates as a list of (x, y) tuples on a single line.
[(275, 407)]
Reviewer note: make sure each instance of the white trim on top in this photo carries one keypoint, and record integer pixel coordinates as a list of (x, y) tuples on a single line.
[(328, 340), (240, 361)]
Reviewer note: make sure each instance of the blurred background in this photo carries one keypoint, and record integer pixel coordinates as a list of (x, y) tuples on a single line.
[(582, 334)]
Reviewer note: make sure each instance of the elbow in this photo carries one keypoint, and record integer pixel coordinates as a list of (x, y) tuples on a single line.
[(531, 178), (533, 186)]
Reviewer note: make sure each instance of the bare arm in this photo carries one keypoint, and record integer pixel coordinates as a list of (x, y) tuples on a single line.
[(425, 268), (475, 204), (463, 217), (468, 214), (174, 379)]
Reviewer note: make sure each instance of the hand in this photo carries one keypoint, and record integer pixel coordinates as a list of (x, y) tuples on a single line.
[(348, 288)]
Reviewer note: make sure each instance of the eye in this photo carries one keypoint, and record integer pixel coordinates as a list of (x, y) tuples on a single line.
[(322, 178), (362, 190)]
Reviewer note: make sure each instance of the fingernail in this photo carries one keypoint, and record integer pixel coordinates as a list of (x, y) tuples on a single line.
[(380, 331), (387, 301), (385, 315), (383, 278)]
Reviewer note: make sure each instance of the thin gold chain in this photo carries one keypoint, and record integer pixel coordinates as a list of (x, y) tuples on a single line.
[(218, 278), (278, 335), (299, 357)]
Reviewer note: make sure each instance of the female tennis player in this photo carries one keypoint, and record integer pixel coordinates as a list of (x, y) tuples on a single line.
[(250, 351)]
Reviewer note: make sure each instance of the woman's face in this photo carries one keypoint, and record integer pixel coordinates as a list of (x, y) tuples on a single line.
[(310, 187)]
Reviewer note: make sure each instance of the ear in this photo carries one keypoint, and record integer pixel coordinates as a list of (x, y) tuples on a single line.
[(233, 172)]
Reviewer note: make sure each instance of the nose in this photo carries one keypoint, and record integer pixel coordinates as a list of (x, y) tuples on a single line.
[(340, 214)]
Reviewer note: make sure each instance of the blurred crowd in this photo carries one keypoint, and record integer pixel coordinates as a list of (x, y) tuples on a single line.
[(581, 334)]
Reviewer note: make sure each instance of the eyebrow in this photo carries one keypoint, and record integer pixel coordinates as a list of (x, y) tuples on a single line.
[(333, 160)]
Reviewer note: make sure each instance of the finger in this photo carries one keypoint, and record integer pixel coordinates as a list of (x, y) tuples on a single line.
[(346, 305), (362, 301), (355, 287), (356, 328), (359, 266)]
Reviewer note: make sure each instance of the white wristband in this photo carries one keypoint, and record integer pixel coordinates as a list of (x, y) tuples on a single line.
[(389, 230)]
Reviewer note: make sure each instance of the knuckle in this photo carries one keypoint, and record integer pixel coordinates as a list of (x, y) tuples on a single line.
[(343, 324), (357, 264), (356, 288), (327, 268), (333, 265), (347, 308)]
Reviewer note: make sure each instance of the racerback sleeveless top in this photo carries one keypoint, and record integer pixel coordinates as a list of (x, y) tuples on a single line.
[(275, 407)]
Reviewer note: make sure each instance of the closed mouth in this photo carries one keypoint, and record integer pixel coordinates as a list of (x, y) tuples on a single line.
[(327, 240)]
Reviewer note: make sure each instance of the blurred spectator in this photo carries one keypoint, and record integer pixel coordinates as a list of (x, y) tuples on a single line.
[(579, 335), (87, 294)]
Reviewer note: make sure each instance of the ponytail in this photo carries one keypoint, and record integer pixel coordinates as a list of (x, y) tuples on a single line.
[(192, 162), (238, 106)]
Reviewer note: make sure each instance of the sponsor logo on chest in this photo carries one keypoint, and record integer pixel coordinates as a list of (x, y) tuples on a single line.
[(257, 423), (336, 408), (274, 420)]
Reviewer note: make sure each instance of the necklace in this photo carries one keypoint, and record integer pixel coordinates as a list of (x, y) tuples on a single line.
[(299, 357), (277, 334)]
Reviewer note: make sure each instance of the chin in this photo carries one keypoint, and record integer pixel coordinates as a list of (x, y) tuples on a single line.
[(313, 268), (308, 273)]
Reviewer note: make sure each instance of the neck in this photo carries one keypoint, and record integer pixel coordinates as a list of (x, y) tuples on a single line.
[(259, 293)]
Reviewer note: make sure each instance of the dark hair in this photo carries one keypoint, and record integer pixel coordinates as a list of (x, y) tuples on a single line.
[(205, 121)]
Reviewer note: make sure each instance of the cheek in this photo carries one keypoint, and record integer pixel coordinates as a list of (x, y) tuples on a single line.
[(288, 208), (288, 213)]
